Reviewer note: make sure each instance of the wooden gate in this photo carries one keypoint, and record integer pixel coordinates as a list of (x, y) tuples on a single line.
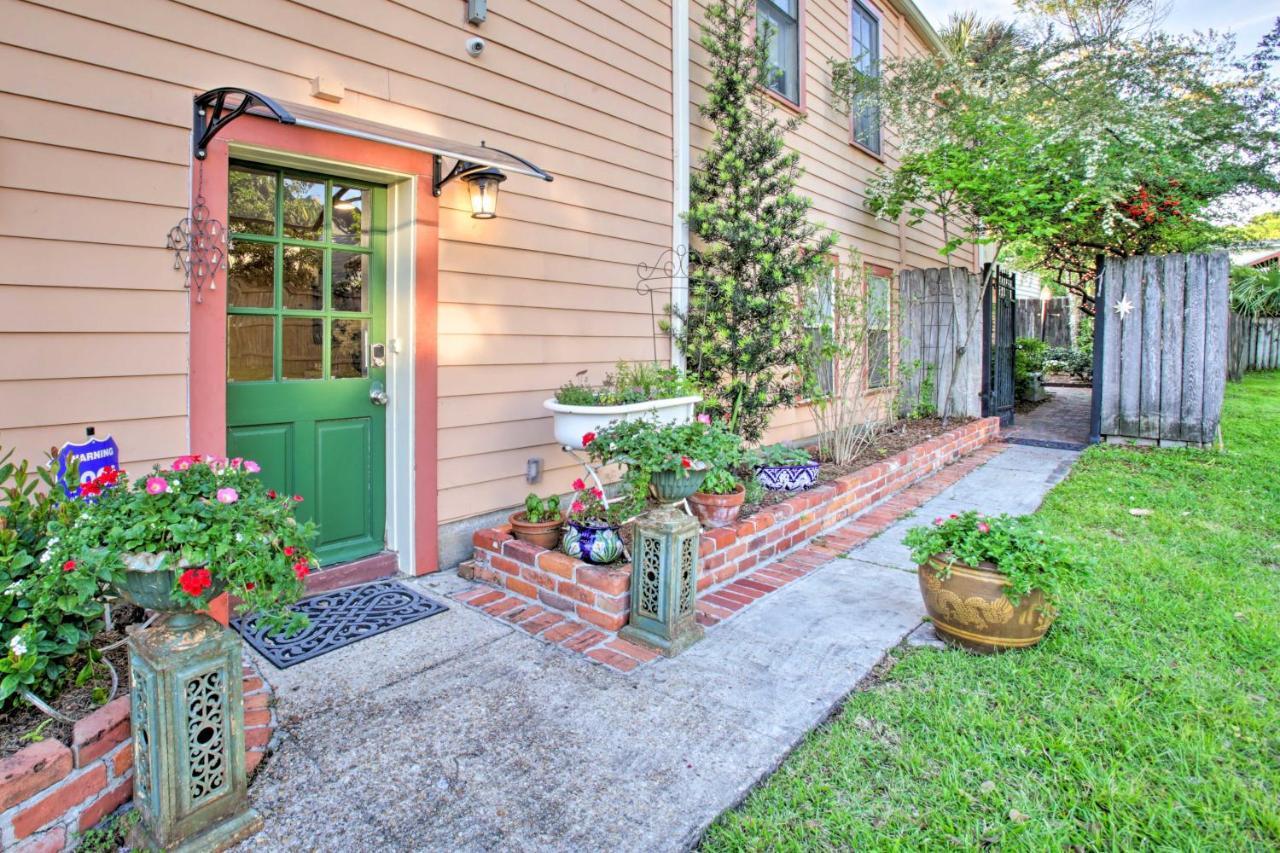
[(938, 344), (1164, 348), (1255, 345), (999, 330)]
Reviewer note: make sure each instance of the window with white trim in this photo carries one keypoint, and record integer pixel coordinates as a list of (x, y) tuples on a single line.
[(782, 19), (879, 368), (864, 50)]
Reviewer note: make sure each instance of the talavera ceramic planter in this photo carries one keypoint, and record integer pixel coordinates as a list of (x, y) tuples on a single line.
[(592, 543), (787, 478)]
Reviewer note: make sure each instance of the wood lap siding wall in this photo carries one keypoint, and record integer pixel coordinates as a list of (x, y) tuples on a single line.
[(95, 115), (836, 171)]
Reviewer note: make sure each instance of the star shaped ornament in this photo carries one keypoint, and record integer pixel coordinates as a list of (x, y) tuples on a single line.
[(1123, 307)]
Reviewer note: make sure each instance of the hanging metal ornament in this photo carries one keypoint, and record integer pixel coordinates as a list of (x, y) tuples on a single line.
[(199, 248)]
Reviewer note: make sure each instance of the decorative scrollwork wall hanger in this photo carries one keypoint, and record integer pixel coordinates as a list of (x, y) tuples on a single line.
[(670, 266), (199, 248)]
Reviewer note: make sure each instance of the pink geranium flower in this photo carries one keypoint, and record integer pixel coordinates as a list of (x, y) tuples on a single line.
[(704, 418), (228, 495), (578, 485), (983, 527), (577, 506), (251, 466), (157, 485)]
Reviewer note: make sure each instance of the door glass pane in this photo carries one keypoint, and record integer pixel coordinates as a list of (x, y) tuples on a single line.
[(349, 222), (302, 348), (250, 347), (303, 278), (303, 209), (350, 281), (251, 274), (251, 201), (346, 354)]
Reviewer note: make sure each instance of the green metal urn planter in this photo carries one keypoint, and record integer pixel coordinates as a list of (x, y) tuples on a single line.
[(664, 581), (674, 486), (187, 711)]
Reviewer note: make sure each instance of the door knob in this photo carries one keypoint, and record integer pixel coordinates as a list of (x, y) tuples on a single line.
[(378, 394)]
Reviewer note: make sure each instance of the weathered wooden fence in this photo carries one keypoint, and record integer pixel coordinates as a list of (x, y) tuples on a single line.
[(1046, 319), (1255, 345), (940, 337), (1164, 358)]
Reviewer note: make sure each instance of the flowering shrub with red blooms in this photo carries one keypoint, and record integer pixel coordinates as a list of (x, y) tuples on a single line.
[(216, 519), (1145, 208), (588, 507), (1023, 552)]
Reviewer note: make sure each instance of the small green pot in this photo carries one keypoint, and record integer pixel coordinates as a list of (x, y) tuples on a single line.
[(149, 580), (674, 486)]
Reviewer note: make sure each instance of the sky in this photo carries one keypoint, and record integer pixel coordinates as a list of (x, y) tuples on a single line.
[(1248, 19)]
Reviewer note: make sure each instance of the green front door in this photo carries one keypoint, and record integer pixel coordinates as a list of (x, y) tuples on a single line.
[(306, 319)]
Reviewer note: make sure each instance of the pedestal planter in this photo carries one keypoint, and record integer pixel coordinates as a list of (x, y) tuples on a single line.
[(969, 608), (787, 478), (674, 486), (544, 534), (187, 713), (664, 582), (571, 423), (717, 510), (592, 543)]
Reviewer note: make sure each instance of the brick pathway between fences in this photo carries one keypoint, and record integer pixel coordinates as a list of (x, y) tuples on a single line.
[(721, 602)]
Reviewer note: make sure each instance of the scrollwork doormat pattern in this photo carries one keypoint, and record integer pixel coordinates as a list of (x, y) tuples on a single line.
[(340, 618)]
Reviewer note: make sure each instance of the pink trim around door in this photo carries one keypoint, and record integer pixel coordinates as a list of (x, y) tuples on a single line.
[(208, 318)]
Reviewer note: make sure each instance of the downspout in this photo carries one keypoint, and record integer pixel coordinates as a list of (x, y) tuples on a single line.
[(679, 169)]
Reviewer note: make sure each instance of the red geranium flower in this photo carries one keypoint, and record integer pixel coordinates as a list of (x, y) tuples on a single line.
[(271, 493), (598, 492), (301, 569), (90, 489), (685, 463), (579, 485), (587, 438), (288, 550), (69, 566), (249, 585), (107, 476), (297, 498), (195, 581)]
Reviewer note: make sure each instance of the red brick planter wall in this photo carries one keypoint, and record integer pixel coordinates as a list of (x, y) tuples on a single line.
[(600, 595), (50, 793)]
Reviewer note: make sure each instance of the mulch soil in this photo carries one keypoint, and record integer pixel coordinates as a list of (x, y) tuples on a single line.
[(895, 439), (72, 701)]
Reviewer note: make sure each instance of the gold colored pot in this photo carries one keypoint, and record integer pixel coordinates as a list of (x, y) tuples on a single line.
[(969, 608)]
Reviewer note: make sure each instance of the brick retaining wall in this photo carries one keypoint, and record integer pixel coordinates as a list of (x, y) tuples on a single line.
[(600, 594), (51, 792)]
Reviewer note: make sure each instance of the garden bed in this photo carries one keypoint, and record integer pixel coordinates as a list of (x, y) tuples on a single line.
[(600, 594)]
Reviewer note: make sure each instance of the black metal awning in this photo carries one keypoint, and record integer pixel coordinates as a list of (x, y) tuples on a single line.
[(217, 108)]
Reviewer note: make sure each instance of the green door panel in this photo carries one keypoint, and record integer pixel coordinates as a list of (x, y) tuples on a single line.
[(306, 302)]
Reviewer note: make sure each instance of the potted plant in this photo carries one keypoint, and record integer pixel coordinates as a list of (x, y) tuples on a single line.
[(177, 538), (540, 520), (988, 582), (720, 499), (632, 391), (781, 468), (592, 528), (667, 461)]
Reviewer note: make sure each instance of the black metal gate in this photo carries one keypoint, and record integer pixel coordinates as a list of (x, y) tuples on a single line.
[(999, 319)]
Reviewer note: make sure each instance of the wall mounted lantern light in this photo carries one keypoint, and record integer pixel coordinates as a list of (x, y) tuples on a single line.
[(482, 185)]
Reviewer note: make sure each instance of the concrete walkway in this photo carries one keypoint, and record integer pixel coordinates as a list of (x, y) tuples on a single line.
[(462, 733)]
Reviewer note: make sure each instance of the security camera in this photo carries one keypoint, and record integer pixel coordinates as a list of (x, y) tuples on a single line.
[(475, 46)]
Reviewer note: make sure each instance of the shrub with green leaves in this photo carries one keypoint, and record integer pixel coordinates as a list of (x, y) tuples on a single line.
[(720, 481), (778, 455), (1028, 359), (48, 613), (647, 448), (1020, 547)]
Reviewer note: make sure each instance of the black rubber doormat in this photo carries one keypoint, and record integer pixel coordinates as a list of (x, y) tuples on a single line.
[(1040, 442), (340, 618)]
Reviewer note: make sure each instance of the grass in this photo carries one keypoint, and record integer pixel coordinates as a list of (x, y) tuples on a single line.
[(1149, 718)]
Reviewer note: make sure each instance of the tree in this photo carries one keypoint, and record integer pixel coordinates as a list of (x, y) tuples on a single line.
[(755, 252), (1086, 131), (1261, 228)]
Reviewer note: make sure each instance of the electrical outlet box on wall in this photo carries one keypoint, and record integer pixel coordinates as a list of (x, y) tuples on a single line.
[(477, 11)]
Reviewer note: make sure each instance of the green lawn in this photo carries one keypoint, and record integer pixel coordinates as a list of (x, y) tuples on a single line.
[(1148, 719)]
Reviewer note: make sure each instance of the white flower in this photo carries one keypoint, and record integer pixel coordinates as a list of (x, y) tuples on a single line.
[(239, 537), (44, 558), (14, 588), (53, 541), (18, 645)]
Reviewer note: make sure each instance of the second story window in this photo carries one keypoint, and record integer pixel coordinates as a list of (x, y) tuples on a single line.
[(782, 18), (865, 52)]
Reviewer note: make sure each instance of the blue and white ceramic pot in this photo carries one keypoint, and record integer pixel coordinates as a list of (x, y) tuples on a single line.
[(600, 544), (787, 478)]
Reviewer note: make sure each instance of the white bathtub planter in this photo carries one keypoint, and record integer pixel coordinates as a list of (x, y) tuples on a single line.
[(571, 423)]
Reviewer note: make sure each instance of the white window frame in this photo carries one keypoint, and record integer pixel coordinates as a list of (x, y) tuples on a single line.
[(856, 8), (772, 11)]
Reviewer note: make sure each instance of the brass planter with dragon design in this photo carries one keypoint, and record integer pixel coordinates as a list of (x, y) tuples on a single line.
[(969, 608)]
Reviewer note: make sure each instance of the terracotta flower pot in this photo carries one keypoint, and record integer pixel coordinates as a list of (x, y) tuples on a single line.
[(969, 608), (717, 510), (544, 534)]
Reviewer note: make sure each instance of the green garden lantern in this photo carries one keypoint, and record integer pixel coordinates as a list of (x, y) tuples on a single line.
[(664, 581), (188, 734)]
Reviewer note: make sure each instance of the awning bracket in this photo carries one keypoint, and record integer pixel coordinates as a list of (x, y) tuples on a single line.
[(208, 119)]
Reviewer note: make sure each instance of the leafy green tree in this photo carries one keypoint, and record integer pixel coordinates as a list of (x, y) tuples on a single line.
[(1263, 227), (1084, 131), (756, 252)]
